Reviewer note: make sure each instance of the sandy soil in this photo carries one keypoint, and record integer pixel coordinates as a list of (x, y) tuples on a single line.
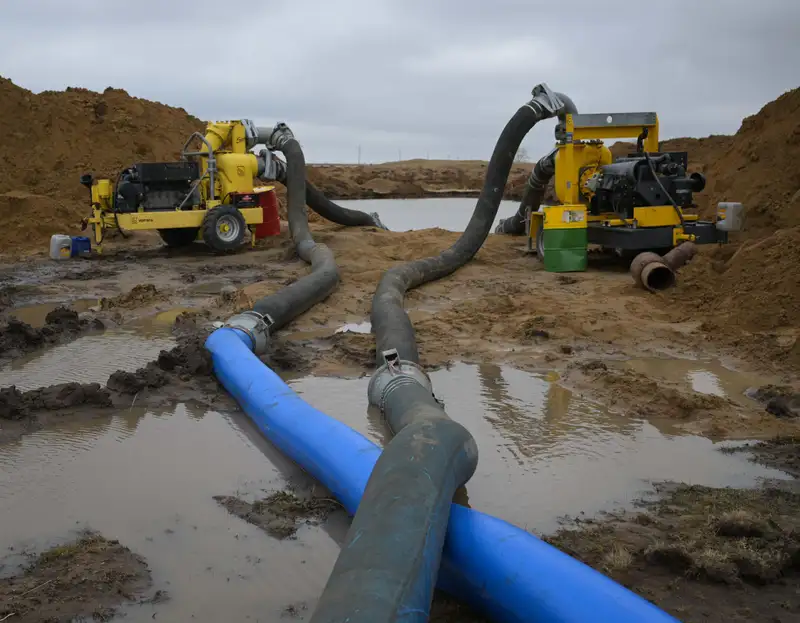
[(83, 580)]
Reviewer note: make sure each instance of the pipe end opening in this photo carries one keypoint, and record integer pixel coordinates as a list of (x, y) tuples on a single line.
[(656, 277)]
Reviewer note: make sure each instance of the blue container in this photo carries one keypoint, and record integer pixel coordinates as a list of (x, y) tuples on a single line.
[(81, 246)]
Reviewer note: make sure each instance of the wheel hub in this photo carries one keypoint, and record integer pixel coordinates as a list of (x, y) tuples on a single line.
[(227, 229)]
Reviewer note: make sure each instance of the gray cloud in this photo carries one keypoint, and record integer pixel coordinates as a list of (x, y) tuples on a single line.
[(434, 78)]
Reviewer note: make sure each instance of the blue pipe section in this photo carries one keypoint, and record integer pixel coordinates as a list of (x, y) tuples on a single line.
[(499, 569)]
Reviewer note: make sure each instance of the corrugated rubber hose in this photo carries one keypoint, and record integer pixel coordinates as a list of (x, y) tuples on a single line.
[(300, 296), (532, 197), (390, 559)]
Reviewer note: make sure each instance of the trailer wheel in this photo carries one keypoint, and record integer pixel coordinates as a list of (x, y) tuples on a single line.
[(224, 228), (179, 236)]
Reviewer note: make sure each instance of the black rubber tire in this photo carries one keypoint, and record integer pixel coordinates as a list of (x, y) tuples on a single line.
[(178, 237), (216, 239)]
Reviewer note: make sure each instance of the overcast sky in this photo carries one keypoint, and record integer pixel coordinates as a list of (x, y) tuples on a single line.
[(416, 78)]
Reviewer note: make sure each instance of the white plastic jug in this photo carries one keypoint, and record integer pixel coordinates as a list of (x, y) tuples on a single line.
[(60, 247)]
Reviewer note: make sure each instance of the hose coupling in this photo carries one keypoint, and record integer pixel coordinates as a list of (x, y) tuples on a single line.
[(545, 100), (250, 133), (256, 326), (279, 136), (394, 373), (270, 167), (377, 219)]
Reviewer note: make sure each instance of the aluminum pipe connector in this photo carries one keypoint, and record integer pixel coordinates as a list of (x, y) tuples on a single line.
[(394, 373), (256, 326)]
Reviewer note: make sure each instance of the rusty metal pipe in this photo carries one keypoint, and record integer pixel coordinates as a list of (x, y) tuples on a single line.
[(654, 272)]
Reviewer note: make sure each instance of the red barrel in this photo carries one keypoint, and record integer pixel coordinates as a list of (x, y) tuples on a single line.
[(271, 226)]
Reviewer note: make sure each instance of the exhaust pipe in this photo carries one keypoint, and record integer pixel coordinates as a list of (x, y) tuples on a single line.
[(654, 272)]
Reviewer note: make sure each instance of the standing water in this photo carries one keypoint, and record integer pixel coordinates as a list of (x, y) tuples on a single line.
[(451, 213)]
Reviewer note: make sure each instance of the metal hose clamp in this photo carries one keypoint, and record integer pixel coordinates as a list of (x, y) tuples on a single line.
[(546, 100), (256, 326), (392, 374)]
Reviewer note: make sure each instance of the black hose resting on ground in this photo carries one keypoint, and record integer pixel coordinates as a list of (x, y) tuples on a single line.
[(390, 323), (298, 297), (327, 209), (531, 198), (390, 559)]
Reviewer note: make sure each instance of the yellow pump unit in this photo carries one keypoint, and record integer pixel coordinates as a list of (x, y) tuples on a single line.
[(212, 193), (631, 204)]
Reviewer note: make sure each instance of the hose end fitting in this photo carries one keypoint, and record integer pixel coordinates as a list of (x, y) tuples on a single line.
[(256, 326), (393, 373), (279, 136), (377, 219), (546, 101), (270, 167)]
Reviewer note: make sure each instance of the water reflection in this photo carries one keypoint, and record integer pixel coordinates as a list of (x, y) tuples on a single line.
[(702, 376), (89, 359)]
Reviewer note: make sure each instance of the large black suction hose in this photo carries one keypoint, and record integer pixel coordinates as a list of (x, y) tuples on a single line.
[(327, 209), (531, 198), (323, 206), (288, 303), (390, 559), (535, 188), (390, 323)]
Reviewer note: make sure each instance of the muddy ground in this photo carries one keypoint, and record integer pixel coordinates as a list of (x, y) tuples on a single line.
[(706, 554), (85, 579), (583, 330), (280, 513)]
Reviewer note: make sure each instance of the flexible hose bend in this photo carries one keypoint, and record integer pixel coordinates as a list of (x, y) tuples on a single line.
[(327, 209), (503, 571), (390, 323), (535, 188), (392, 553), (297, 298)]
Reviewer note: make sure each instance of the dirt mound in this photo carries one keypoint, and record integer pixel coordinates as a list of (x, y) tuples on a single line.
[(51, 138), (139, 296), (747, 295), (79, 581), (756, 288), (15, 405), (61, 325), (281, 513), (187, 360)]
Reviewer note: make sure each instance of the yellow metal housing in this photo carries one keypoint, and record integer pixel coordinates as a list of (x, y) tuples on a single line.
[(236, 172)]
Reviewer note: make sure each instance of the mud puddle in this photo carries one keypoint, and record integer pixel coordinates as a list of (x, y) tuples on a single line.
[(35, 315), (148, 480), (546, 453), (709, 377), (210, 288), (88, 359)]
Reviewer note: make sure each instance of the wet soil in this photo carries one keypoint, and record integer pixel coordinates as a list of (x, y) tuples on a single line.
[(281, 513), (61, 325), (87, 579), (502, 308), (703, 553), (139, 296)]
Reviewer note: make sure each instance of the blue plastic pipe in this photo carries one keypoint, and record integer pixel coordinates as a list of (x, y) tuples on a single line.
[(499, 569)]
